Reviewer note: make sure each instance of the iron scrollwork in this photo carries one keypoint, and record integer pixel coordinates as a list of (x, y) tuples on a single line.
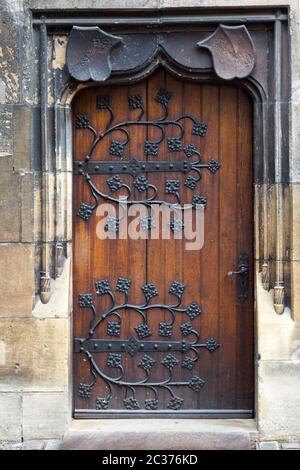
[(111, 320), (191, 164)]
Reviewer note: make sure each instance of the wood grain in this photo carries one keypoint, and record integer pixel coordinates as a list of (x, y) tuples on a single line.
[(229, 371)]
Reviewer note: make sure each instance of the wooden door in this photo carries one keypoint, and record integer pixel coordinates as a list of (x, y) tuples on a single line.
[(160, 330)]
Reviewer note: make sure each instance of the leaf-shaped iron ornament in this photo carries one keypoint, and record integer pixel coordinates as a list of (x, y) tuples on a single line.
[(88, 53), (233, 52)]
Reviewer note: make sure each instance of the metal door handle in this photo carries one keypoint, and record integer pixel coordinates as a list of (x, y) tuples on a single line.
[(242, 274), (242, 269)]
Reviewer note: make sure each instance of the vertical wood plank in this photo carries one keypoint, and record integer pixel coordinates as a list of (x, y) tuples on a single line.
[(228, 372)]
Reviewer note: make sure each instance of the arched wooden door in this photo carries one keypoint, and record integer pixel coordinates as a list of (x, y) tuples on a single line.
[(160, 330)]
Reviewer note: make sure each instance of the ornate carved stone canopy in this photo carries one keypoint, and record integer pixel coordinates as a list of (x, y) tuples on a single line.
[(92, 54), (248, 50)]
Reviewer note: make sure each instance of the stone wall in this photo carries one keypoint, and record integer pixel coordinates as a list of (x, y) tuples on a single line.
[(35, 339)]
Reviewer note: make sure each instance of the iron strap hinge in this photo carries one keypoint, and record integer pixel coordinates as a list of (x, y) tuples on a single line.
[(131, 167), (132, 345)]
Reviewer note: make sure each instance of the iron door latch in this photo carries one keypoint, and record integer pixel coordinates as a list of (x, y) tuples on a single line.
[(242, 274)]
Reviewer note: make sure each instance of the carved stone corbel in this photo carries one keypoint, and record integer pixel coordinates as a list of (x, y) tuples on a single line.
[(265, 276), (45, 287), (232, 50), (279, 298), (88, 53)]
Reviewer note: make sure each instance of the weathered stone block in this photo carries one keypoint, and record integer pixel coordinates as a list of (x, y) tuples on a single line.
[(10, 445), (6, 163), (290, 446), (9, 207), (35, 444), (278, 398), (224, 3), (22, 141), (90, 4), (285, 332), (295, 283), (59, 51), (37, 207), (2, 92), (35, 354), (53, 444), (27, 207), (16, 279), (31, 227), (272, 192), (9, 58), (171, 434), (268, 445), (6, 131), (10, 417), (48, 197), (30, 69), (45, 415), (295, 238), (294, 142)]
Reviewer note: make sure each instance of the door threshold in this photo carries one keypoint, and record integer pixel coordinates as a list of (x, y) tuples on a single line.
[(161, 434), (162, 414)]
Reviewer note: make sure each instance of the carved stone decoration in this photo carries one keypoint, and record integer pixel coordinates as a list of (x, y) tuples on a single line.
[(265, 276), (232, 50), (130, 59), (45, 290), (88, 53), (279, 299)]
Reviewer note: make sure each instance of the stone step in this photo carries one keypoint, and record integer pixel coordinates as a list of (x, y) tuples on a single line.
[(155, 434)]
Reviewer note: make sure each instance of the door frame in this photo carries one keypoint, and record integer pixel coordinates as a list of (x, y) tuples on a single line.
[(270, 125)]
